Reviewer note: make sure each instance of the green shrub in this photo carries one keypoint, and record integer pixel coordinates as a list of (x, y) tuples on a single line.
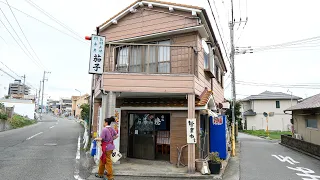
[(3, 116), (18, 121)]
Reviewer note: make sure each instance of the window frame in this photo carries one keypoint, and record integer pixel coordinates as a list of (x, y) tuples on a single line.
[(277, 104), (316, 120)]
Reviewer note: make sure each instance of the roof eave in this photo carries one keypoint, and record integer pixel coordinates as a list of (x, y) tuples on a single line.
[(137, 3)]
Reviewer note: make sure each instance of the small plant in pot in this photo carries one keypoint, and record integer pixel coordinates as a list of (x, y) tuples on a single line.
[(214, 163)]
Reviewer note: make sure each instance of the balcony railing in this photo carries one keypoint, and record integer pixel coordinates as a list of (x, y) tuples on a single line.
[(161, 58)]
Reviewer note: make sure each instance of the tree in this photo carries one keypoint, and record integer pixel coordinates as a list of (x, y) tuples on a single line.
[(85, 111), (237, 114)]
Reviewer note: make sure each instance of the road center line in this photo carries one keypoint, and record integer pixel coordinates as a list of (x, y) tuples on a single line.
[(51, 127), (34, 135)]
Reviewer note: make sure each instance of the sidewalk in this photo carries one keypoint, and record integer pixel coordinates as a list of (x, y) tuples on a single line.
[(156, 169)]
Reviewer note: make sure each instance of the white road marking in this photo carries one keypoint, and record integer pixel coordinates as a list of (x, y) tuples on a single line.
[(285, 159), (56, 123), (51, 127), (34, 135), (78, 149)]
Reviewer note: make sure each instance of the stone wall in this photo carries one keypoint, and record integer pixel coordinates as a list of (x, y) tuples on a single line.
[(301, 145), (4, 125)]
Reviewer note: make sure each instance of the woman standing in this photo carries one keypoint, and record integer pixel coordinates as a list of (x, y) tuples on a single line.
[(107, 136)]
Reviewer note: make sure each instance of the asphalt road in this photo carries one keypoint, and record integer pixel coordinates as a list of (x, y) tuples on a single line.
[(262, 159), (46, 150)]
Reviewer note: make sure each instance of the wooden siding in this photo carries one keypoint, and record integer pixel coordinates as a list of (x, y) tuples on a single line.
[(131, 82), (203, 80), (178, 133), (148, 21)]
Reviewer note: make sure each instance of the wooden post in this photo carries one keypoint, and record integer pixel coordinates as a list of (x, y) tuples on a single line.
[(191, 147)]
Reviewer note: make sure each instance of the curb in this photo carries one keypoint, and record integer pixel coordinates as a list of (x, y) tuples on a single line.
[(301, 151), (197, 175)]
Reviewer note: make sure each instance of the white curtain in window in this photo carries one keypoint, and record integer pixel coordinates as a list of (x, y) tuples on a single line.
[(164, 57), (135, 59), (122, 59)]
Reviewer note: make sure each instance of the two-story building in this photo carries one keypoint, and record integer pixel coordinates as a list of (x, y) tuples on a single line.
[(162, 65), (274, 104), (77, 101)]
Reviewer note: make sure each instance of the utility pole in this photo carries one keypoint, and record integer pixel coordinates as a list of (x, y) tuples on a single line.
[(39, 96), (44, 79), (233, 86)]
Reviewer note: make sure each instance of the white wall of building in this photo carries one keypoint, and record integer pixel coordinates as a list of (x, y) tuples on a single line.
[(21, 107), (279, 122)]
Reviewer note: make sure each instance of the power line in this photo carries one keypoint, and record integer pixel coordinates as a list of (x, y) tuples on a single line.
[(219, 33), (278, 85), (25, 36), (10, 69), (52, 18), (3, 40), (28, 15), (16, 40), (19, 39)]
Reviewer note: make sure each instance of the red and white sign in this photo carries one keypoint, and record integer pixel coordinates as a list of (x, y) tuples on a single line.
[(217, 120)]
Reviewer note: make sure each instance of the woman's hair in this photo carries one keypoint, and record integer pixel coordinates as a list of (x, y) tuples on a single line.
[(110, 120)]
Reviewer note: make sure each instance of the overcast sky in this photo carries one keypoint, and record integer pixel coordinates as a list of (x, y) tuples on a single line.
[(270, 22)]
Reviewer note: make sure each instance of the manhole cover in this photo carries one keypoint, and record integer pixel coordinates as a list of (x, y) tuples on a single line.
[(50, 144)]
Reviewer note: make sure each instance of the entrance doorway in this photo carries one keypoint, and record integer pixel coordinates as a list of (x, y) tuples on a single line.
[(149, 136)]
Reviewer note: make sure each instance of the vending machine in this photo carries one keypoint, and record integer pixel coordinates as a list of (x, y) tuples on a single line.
[(218, 135)]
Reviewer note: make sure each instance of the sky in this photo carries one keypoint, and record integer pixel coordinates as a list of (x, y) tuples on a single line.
[(269, 22)]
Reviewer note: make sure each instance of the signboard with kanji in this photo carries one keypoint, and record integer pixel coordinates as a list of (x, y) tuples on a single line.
[(97, 54), (191, 131)]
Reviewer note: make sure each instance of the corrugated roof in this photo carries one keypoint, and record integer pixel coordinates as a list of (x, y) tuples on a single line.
[(308, 103), (270, 95), (154, 1)]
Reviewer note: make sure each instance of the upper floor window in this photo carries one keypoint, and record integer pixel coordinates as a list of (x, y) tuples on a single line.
[(312, 123), (144, 58), (206, 54), (277, 104)]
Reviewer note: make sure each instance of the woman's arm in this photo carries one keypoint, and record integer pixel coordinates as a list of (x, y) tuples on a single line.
[(115, 137), (98, 139)]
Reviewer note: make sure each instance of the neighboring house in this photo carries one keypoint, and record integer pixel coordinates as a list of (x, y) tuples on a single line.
[(273, 103), (306, 119), (77, 101), (65, 106), (162, 65), (53, 105)]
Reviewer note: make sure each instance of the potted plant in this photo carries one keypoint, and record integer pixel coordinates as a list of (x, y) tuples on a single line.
[(214, 163), (199, 162)]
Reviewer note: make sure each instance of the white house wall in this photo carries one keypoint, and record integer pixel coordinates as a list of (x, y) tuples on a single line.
[(23, 109), (275, 123), (279, 122)]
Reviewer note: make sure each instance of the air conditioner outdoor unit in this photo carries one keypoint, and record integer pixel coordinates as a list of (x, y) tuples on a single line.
[(298, 136)]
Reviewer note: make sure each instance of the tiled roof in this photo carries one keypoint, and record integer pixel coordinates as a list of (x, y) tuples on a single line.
[(154, 1), (270, 95), (308, 103)]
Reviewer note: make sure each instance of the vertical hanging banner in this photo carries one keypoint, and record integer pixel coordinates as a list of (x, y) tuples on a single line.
[(97, 54), (191, 131), (116, 126)]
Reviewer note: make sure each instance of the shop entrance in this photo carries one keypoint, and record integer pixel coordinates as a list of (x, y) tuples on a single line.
[(149, 136)]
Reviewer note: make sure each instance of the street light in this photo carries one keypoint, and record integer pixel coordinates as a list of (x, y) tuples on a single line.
[(78, 91)]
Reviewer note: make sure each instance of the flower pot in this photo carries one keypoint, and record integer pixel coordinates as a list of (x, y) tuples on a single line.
[(214, 167), (199, 164)]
